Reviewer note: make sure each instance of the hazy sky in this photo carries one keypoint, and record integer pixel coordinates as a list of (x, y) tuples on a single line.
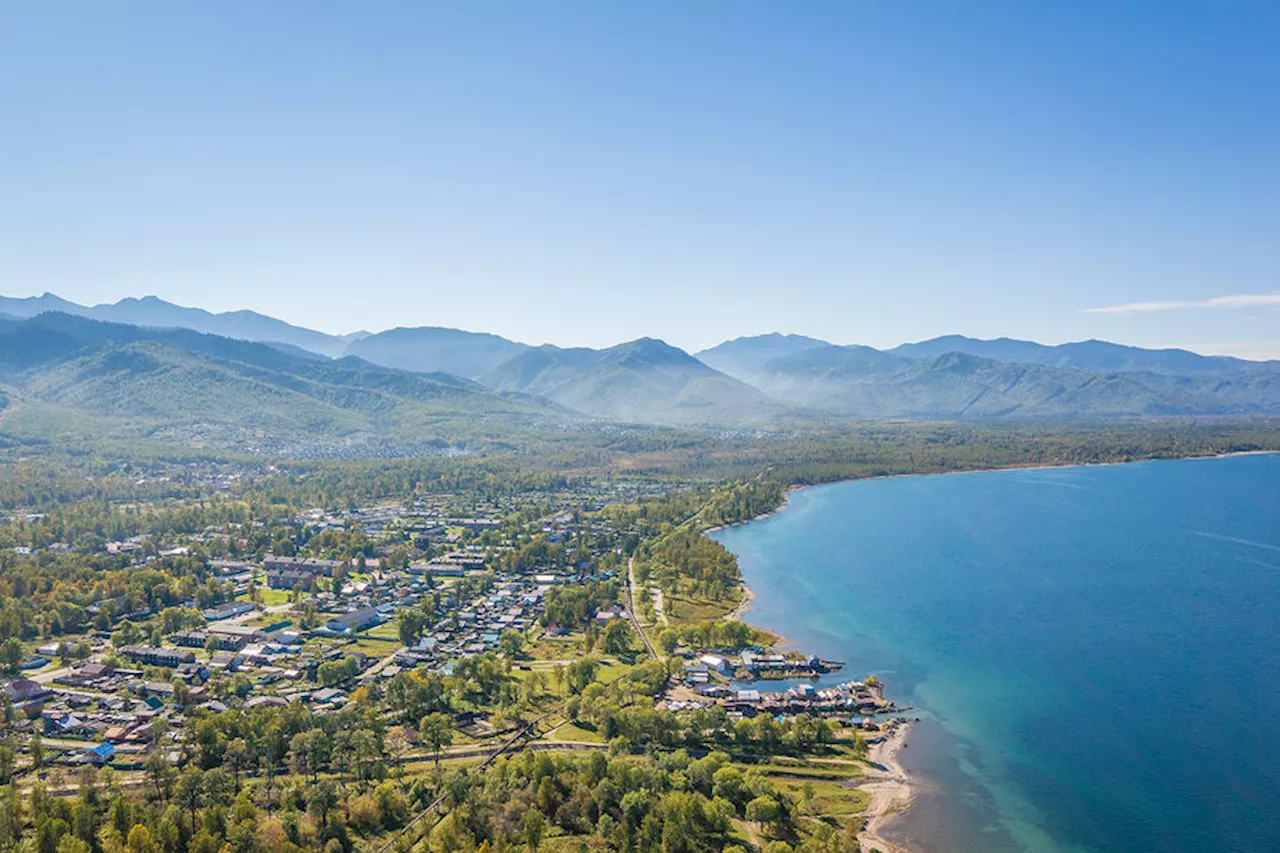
[(586, 173)]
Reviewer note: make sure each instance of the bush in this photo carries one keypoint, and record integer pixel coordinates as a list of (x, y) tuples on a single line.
[(363, 813)]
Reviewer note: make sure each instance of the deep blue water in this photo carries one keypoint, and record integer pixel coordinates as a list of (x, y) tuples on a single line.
[(1096, 650)]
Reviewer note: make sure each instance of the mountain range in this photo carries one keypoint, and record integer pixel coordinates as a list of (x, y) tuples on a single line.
[(959, 377), (68, 377), (153, 311), (148, 368)]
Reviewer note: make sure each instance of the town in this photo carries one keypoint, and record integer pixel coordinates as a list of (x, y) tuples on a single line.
[(402, 642), (429, 588)]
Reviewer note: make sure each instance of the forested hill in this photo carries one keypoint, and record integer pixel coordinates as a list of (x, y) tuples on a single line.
[(645, 380), (70, 377)]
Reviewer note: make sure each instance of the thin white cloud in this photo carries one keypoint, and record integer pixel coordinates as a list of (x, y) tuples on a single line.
[(1243, 300), (1250, 350)]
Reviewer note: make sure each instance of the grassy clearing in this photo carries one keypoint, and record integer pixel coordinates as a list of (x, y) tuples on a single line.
[(427, 766), (555, 648), (386, 631), (610, 670), (572, 732), (373, 646), (681, 609), (270, 597), (808, 770), (820, 798), (270, 619)]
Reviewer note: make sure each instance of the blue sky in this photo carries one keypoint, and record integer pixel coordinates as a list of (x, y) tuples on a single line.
[(587, 173)]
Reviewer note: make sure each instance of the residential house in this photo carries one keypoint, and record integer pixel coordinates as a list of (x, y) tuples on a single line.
[(355, 621), (156, 656), (228, 610), (715, 662), (291, 578), (311, 564), (27, 696)]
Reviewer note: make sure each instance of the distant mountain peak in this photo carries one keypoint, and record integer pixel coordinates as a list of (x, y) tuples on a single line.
[(746, 358), (652, 347), (646, 380), (435, 349)]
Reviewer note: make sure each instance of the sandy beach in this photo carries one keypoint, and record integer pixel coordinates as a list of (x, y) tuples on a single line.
[(748, 598), (890, 788)]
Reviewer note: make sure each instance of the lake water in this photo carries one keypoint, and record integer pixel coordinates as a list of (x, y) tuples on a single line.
[(1095, 651)]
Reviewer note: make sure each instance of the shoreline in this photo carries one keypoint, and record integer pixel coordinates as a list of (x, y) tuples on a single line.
[(748, 599), (1042, 466), (890, 785), (764, 515), (891, 790)]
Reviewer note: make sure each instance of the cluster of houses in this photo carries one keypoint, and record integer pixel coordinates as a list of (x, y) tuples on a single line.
[(106, 710), (105, 727), (863, 698), (513, 604), (727, 680), (423, 520), (110, 709), (751, 664), (709, 679)]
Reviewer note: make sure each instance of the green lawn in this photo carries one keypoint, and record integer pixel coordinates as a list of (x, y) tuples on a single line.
[(270, 597)]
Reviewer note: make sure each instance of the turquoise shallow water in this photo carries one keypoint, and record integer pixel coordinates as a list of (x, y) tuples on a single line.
[(1095, 651)]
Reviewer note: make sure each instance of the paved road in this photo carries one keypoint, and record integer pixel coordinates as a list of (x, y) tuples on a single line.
[(47, 676)]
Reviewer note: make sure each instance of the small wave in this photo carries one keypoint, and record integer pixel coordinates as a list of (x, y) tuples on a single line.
[(1266, 546), (1262, 564)]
